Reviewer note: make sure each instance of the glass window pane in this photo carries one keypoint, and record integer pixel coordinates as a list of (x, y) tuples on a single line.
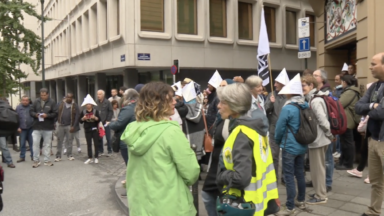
[(291, 28), (245, 21), (152, 15), (270, 22), (218, 18), (187, 17)]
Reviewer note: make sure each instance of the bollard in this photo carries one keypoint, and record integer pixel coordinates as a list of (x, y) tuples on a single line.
[(195, 188)]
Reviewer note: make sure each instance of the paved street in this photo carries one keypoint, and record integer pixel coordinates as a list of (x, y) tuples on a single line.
[(69, 188)]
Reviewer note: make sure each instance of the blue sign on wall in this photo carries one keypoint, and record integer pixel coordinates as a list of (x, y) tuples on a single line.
[(304, 44), (122, 58), (143, 56)]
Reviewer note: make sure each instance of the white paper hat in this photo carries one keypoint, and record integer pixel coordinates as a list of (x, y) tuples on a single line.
[(293, 87), (345, 67), (189, 92), (88, 100), (179, 91), (215, 80), (283, 77)]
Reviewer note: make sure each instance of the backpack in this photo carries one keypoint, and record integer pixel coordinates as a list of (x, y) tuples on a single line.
[(336, 114), (307, 132), (9, 119)]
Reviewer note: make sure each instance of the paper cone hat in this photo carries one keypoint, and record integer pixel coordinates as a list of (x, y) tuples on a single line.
[(215, 80), (283, 77), (88, 100), (189, 92), (345, 67), (293, 87), (178, 90)]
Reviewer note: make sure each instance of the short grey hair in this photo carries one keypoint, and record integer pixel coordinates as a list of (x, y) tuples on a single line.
[(324, 76), (129, 95), (102, 91), (253, 81), (238, 96), (25, 96)]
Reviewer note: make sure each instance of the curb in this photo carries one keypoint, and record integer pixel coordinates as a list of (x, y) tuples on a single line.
[(122, 201)]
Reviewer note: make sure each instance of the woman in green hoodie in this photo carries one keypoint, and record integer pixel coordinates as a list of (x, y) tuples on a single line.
[(162, 164), (348, 99)]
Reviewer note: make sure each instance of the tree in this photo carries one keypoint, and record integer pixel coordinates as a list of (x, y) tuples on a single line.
[(18, 45)]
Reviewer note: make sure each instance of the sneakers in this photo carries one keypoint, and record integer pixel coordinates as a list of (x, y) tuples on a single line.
[(20, 160), (71, 158), (336, 155), (285, 211), (300, 205), (11, 165), (88, 161), (36, 164), (366, 181), (79, 150), (315, 201), (57, 159), (355, 173), (48, 163), (96, 160)]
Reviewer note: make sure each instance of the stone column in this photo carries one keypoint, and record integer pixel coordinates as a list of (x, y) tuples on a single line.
[(32, 91), (81, 89), (59, 89)]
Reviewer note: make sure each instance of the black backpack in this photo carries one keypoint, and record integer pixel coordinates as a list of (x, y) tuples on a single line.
[(307, 132), (9, 119)]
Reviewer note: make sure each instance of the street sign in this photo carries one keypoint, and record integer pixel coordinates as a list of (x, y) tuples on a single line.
[(174, 69), (303, 55), (303, 24), (304, 44), (122, 58), (144, 56)]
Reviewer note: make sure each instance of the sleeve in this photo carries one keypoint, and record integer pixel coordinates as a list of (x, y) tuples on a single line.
[(321, 113), (281, 125), (122, 120), (77, 117), (378, 113), (347, 98), (268, 105), (362, 106), (81, 115), (182, 155), (242, 164), (54, 111), (110, 112), (32, 110), (98, 116)]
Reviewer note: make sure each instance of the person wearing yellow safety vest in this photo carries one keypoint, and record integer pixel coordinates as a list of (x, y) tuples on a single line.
[(293, 152), (246, 168)]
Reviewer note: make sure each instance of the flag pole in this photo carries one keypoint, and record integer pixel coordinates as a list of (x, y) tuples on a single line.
[(270, 73)]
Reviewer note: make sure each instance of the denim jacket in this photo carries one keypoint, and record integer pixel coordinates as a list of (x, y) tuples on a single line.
[(26, 120)]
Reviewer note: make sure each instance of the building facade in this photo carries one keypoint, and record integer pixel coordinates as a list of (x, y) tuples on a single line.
[(104, 44), (348, 31)]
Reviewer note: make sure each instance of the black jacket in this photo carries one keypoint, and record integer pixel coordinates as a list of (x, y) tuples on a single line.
[(50, 108), (3, 133), (105, 110), (126, 116), (213, 101), (90, 125)]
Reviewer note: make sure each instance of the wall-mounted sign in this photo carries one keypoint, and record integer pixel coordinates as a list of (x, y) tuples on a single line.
[(122, 58), (144, 56), (340, 18)]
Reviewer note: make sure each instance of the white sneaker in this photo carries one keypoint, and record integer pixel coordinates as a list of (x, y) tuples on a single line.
[(57, 159), (79, 150), (71, 158), (96, 160), (88, 161)]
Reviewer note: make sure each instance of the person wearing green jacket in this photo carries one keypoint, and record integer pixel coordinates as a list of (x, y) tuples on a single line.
[(348, 99), (162, 164)]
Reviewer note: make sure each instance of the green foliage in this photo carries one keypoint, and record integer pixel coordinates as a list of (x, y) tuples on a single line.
[(18, 45)]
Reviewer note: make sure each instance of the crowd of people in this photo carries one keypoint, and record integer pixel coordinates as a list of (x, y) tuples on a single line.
[(165, 133)]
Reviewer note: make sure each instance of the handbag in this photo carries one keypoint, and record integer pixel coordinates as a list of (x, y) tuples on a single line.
[(116, 142), (208, 147)]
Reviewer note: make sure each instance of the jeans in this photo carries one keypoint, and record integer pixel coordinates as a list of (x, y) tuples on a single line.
[(108, 137), (63, 131), (338, 146), (4, 149), (209, 202), (329, 166), (77, 138), (47, 137), (124, 154), (293, 167), (26, 134)]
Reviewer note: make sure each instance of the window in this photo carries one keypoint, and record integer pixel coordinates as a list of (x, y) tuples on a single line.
[(79, 28), (290, 27), (93, 25), (187, 17), (152, 15), (270, 22), (73, 39), (86, 30), (103, 33), (312, 21), (114, 21), (245, 21), (218, 18)]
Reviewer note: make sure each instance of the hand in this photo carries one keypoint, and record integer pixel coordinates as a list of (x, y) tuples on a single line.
[(19, 130), (72, 130), (93, 117), (272, 98), (43, 115), (375, 105)]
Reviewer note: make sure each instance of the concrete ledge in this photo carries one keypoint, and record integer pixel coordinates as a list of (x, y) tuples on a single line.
[(122, 201)]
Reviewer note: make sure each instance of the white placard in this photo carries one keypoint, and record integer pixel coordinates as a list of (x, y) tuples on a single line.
[(303, 26), (303, 55)]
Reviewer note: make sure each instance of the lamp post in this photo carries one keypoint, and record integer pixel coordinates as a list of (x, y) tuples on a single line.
[(42, 44)]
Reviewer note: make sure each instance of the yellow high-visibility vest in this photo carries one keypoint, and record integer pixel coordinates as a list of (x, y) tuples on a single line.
[(263, 187)]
